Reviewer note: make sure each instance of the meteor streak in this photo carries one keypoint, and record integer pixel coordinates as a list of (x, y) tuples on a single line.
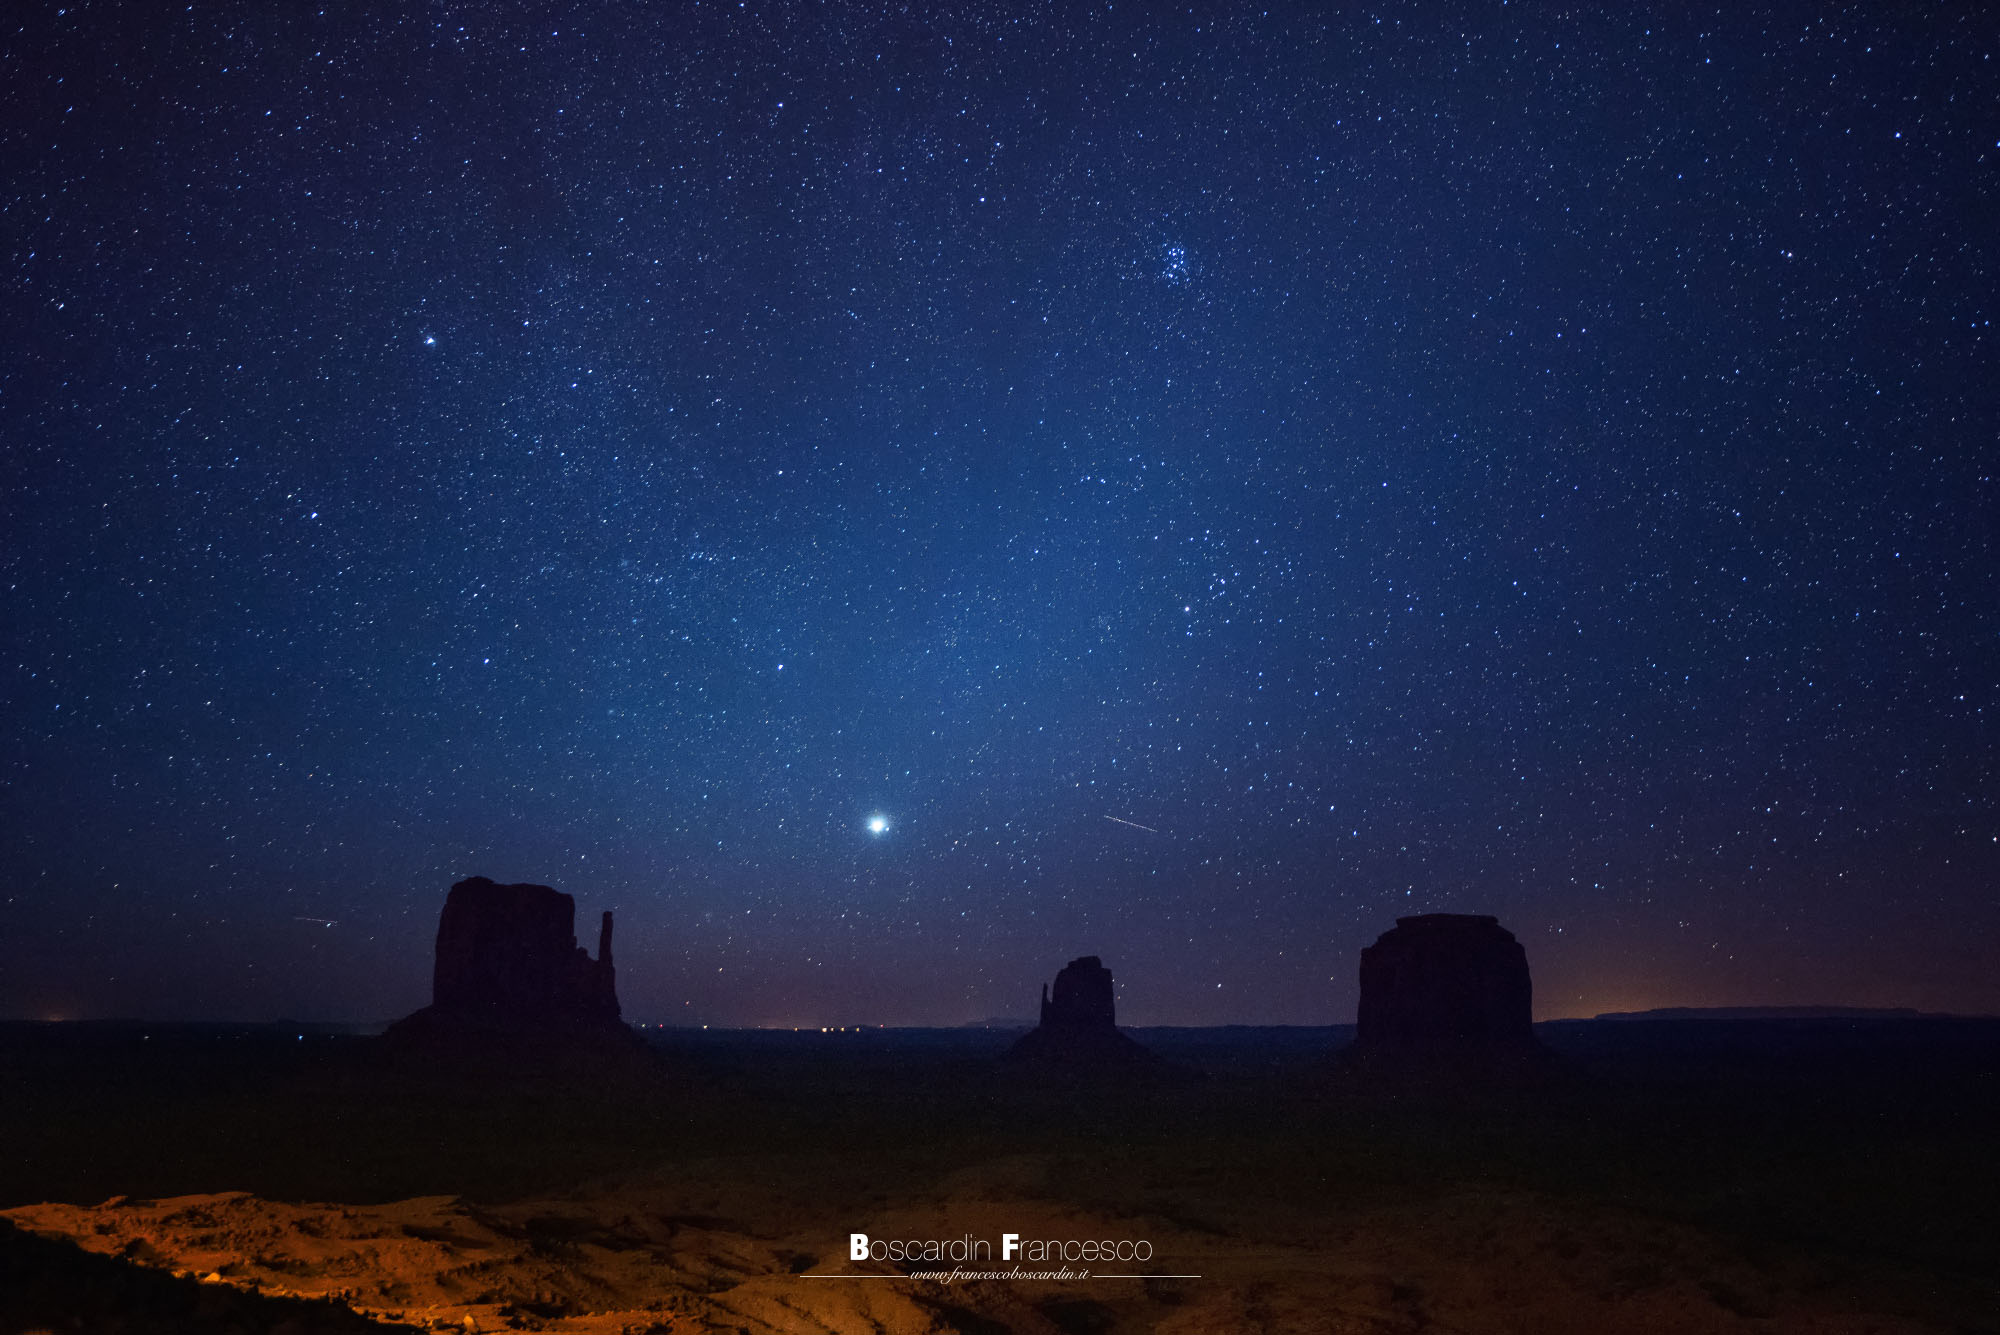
[(1133, 823)]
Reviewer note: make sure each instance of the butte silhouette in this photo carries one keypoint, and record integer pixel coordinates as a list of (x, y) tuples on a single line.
[(1445, 997), (1078, 1032), (511, 982)]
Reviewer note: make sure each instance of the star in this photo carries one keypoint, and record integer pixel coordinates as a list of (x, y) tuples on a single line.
[(878, 824)]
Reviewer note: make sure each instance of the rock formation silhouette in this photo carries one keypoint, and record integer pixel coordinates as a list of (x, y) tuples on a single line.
[(509, 979), (1445, 995), (1078, 1029), (1083, 997), (507, 954)]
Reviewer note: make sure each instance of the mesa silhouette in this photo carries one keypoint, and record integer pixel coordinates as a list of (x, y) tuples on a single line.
[(1445, 997)]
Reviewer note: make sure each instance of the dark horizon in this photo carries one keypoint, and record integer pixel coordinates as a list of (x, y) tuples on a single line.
[(890, 505), (1133, 1012), (1008, 1024)]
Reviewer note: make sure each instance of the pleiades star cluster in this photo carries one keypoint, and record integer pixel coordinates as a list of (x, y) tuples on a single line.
[(891, 498)]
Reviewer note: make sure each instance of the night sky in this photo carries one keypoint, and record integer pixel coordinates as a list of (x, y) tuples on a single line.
[(888, 502)]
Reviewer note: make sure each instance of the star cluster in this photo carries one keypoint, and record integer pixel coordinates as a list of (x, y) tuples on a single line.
[(1207, 482)]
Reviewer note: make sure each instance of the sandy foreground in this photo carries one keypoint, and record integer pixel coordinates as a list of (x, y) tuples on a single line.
[(729, 1246)]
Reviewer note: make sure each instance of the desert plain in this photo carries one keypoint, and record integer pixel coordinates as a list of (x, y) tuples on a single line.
[(1833, 1175)]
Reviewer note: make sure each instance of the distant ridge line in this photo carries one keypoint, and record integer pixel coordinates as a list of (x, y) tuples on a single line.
[(1781, 1013)]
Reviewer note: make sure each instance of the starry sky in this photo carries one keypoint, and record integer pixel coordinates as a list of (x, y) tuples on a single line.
[(888, 501)]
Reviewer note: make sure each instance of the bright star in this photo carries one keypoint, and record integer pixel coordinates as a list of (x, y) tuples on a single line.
[(878, 825)]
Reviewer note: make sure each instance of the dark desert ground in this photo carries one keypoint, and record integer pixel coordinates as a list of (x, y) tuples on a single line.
[(1688, 1174)]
